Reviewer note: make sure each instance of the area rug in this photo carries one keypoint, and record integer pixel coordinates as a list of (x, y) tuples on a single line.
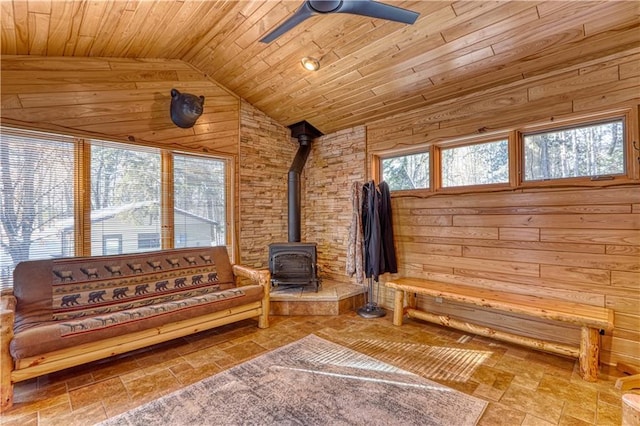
[(309, 382)]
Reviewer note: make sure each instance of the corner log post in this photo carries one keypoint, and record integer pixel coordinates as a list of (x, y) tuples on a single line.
[(7, 318), (591, 319)]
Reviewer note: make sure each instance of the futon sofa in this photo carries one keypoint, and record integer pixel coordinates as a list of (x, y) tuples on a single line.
[(69, 311)]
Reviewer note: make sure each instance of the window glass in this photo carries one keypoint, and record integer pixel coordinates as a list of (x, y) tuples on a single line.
[(477, 164), (406, 172), (149, 240), (111, 244), (200, 201), (592, 150), (36, 199), (125, 197)]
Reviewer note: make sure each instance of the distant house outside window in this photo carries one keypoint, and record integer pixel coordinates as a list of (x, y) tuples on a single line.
[(37, 187), (149, 240), (199, 187), (111, 244), (125, 194)]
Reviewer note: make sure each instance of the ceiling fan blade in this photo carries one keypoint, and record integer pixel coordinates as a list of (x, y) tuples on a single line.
[(303, 13), (375, 9)]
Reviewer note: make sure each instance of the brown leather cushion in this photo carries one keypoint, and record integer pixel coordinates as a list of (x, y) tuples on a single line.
[(49, 336)]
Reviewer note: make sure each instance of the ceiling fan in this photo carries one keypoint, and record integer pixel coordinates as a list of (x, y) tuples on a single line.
[(370, 8)]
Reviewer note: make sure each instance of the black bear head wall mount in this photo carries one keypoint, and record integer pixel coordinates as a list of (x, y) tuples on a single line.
[(185, 108)]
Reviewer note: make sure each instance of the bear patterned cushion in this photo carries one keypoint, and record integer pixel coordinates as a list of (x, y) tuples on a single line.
[(87, 324), (99, 286)]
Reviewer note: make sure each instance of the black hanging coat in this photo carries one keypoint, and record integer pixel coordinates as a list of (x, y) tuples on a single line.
[(373, 255), (390, 264)]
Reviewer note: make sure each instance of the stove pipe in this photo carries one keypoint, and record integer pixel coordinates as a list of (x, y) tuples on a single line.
[(305, 133)]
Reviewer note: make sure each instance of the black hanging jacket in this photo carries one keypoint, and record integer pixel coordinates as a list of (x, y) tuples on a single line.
[(390, 264), (373, 255)]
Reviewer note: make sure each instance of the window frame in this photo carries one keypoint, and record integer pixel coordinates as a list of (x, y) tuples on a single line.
[(111, 237), (406, 154), (571, 123), (475, 140), (148, 237), (230, 220), (515, 138)]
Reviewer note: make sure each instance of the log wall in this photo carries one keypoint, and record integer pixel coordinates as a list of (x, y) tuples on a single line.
[(571, 244)]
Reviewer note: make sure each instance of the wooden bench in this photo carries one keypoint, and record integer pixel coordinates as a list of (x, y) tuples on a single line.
[(593, 320)]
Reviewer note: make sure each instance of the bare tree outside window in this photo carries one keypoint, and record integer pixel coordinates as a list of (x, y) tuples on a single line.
[(37, 187), (593, 150), (125, 196), (200, 194), (406, 172), (477, 164), (37, 198)]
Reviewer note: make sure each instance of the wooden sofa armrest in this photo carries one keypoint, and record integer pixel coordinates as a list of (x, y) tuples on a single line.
[(263, 278), (258, 276), (7, 319)]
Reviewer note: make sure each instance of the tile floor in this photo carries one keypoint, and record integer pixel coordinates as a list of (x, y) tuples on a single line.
[(523, 387)]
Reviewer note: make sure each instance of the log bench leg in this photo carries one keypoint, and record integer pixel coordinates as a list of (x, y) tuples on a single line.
[(589, 353), (398, 307)]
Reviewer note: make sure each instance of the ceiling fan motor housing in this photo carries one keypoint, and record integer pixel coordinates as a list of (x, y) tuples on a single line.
[(325, 6)]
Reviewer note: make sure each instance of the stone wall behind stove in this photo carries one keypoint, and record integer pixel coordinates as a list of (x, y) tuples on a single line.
[(336, 161), (266, 154)]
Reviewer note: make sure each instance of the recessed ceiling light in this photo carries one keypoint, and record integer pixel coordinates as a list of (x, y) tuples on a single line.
[(311, 64)]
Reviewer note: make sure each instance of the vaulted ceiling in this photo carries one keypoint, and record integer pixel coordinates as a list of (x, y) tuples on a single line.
[(370, 68)]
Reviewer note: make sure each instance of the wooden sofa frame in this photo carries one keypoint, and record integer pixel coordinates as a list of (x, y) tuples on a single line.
[(16, 371), (593, 320)]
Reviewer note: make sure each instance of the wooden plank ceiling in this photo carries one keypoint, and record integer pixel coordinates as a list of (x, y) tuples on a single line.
[(370, 68)]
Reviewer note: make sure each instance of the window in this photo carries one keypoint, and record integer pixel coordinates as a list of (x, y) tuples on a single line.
[(200, 215), (407, 171), (587, 151), (590, 150), (63, 196), (36, 200), (125, 194), (477, 164)]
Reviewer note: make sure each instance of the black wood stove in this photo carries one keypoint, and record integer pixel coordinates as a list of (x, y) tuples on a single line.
[(295, 263)]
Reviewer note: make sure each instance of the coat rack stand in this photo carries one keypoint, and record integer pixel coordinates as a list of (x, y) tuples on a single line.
[(371, 309)]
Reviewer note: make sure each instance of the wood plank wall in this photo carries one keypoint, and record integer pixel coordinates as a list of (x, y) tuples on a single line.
[(571, 244), (592, 262), (117, 99)]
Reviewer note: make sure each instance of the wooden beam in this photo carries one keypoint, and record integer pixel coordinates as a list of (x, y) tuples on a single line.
[(538, 344)]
